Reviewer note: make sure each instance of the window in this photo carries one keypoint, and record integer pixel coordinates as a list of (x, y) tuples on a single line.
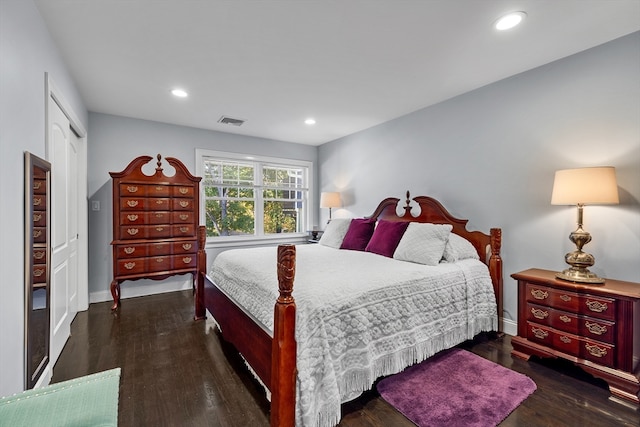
[(253, 197)]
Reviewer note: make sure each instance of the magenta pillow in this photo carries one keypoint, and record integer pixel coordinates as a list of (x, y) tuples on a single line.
[(386, 237), (358, 234)]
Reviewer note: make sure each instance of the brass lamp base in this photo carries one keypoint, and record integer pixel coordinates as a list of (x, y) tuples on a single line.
[(580, 275)]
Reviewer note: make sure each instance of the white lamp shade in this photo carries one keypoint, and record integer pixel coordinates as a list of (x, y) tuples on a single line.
[(585, 186), (329, 200)]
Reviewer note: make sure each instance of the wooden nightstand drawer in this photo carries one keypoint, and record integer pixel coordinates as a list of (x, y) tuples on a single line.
[(597, 329), (552, 297), (598, 352)]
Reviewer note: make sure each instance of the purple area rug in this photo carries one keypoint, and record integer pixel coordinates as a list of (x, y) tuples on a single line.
[(456, 388)]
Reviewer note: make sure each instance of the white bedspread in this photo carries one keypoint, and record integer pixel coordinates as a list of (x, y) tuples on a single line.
[(360, 316)]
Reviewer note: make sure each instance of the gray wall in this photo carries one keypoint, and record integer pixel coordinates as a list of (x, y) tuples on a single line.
[(113, 142), (26, 53), (490, 156)]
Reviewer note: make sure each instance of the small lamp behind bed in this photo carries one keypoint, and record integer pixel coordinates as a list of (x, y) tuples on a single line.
[(584, 186), (329, 200)]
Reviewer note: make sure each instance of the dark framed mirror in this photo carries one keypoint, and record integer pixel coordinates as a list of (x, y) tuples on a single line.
[(37, 185)]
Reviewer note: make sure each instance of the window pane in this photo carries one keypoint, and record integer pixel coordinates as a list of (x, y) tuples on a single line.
[(282, 177), (229, 217), (281, 217)]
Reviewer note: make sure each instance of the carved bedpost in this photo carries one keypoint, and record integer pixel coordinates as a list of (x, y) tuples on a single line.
[(201, 273), (495, 269), (283, 352)]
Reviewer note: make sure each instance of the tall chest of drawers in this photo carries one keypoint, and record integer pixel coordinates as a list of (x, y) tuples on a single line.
[(155, 221), (595, 326)]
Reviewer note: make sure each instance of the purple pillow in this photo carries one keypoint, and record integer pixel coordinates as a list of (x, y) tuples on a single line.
[(358, 234), (386, 237)]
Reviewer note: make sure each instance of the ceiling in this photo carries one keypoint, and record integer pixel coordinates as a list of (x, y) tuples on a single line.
[(350, 64)]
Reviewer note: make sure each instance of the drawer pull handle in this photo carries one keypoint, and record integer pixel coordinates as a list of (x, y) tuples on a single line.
[(132, 217), (184, 217), (594, 350), (183, 190), (132, 231), (37, 185), (539, 333), (539, 314), (159, 260), (539, 294), (186, 246), (597, 306), (132, 189), (186, 260), (37, 217), (184, 204), (159, 215), (184, 229), (38, 255), (37, 201), (565, 318), (132, 203), (159, 228), (565, 298), (39, 272), (37, 233), (565, 339), (159, 202), (596, 328), (129, 250), (158, 188), (129, 265)]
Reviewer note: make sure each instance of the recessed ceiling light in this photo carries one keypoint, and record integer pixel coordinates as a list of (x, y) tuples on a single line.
[(179, 93), (310, 121), (509, 21)]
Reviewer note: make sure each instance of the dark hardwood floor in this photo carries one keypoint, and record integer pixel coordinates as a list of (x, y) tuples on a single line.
[(177, 372)]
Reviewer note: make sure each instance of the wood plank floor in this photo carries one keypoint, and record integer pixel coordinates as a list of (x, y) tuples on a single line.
[(177, 372)]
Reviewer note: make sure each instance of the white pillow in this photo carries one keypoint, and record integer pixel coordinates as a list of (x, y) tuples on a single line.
[(459, 248), (423, 243), (334, 233)]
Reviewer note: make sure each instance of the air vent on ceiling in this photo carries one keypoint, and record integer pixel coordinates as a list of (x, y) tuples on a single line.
[(231, 121)]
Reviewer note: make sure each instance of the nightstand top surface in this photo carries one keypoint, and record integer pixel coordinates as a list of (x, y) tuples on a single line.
[(610, 286)]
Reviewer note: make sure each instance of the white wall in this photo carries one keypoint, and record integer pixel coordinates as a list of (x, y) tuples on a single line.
[(114, 142), (26, 53), (490, 156)]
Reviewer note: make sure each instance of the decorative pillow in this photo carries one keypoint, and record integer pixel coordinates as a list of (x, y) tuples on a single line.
[(423, 243), (386, 237), (358, 234), (459, 248), (334, 233)]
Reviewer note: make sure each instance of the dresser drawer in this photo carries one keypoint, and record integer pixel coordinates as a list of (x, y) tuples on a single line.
[(596, 306), (597, 352), (182, 217), (39, 234), (133, 190), (129, 232), (39, 186), (184, 261), (133, 218), (160, 217), (558, 319), (597, 329), (183, 191), (39, 272), (159, 248), (127, 267), (158, 191), (182, 204), (180, 248), (160, 263), (159, 231), (133, 204), (186, 230), (131, 251), (600, 307), (39, 218), (39, 255), (39, 202)]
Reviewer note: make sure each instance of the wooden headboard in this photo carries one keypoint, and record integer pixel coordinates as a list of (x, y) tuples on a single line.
[(430, 210)]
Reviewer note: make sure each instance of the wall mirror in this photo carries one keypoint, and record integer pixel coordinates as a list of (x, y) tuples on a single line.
[(37, 186)]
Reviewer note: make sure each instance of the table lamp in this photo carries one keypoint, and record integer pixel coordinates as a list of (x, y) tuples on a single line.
[(329, 200), (584, 186)]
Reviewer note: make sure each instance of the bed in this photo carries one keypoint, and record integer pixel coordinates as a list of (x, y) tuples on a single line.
[(328, 340)]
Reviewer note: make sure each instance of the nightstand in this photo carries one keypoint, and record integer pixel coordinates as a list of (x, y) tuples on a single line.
[(597, 327), (314, 236)]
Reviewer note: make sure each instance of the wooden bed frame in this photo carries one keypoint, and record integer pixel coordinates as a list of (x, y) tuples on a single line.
[(273, 359)]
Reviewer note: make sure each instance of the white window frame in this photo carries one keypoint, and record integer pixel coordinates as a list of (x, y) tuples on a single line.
[(259, 237)]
